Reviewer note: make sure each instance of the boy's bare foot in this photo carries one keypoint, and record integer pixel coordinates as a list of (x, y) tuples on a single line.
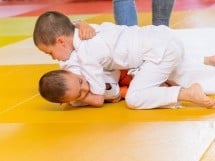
[(196, 95), (209, 60)]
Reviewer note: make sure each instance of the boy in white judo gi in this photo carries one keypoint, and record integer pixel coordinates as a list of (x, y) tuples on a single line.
[(63, 86)]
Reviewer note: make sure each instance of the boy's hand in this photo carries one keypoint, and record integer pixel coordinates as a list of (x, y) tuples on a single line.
[(114, 100), (85, 30)]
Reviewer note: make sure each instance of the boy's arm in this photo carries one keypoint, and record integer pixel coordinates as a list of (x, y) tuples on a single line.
[(93, 99), (90, 99), (112, 95), (85, 30)]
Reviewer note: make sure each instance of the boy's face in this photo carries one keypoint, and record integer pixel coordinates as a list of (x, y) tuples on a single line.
[(61, 50), (78, 88)]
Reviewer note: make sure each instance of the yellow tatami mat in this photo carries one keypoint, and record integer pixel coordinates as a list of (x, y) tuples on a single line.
[(178, 141), (21, 102)]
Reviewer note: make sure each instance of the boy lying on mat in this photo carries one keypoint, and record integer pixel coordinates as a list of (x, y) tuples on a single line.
[(63, 86)]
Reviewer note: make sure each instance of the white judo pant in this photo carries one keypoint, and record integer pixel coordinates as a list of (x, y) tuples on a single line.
[(198, 43), (145, 91)]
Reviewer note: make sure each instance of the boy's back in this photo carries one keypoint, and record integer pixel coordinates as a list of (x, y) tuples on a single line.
[(119, 47), (122, 47)]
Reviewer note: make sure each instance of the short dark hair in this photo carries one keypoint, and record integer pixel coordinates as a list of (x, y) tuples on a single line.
[(53, 86), (49, 25)]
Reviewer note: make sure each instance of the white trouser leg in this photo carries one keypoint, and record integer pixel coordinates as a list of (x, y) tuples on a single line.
[(145, 91), (192, 70), (204, 75)]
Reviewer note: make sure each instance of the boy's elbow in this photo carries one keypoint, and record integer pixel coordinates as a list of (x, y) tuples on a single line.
[(96, 101), (99, 102)]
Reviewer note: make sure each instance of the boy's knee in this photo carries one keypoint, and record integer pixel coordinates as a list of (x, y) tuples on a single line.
[(130, 101), (134, 102)]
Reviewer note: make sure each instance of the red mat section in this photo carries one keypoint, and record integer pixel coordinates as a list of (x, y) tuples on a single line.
[(36, 7)]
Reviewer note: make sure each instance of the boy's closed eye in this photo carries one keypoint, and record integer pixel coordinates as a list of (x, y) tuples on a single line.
[(80, 91)]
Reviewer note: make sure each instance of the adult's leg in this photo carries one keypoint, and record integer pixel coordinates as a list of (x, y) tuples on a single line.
[(125, 12), (161, 11)]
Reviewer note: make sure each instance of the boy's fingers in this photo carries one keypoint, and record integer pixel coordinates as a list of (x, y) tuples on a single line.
[(84, 35)]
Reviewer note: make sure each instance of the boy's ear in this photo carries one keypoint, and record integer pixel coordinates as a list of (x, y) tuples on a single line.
[(60, 39)]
